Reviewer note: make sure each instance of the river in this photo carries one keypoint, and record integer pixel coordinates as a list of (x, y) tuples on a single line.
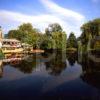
[(45, 76)]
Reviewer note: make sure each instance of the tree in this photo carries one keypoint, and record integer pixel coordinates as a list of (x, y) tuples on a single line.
[(27, 28), (46, 42), (72, 41), (56, 35), (26, 33), (90, 30), (17, 34), (59, 40), (52, 28)]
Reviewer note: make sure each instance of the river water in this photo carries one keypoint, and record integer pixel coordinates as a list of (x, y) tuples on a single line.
[(50, 76)]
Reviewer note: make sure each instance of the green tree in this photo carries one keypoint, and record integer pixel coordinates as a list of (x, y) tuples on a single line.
[(90, 30), (27, 28), (72, 41), (17, 34), (55, 27), (56, 36), (46, 42), (59, 40), (26, 33)]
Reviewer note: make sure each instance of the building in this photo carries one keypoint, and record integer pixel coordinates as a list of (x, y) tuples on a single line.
[(11, 46)]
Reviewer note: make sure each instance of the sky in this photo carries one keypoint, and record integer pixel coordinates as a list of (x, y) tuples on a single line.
[(70, 14)]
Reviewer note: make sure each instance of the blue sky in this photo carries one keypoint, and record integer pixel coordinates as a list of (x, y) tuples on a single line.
[(70, 14)]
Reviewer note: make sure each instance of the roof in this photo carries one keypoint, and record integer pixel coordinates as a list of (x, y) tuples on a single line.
[(10, 40), (9, 46)]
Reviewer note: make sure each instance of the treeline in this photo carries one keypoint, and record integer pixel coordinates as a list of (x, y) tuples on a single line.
[(90, 31), (54, 37)]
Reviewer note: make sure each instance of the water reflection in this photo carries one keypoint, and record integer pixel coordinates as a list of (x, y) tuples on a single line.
[(91, 71), (56, 65), (72, 58), (59, 75), (25, 64)]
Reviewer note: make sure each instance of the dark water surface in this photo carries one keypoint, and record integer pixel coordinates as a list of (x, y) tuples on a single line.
[(50, 76)]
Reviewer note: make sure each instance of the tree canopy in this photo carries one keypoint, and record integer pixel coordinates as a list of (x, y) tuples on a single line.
[(57, 36), (90, 30), (54, 36), (72, 41), (26, 33)]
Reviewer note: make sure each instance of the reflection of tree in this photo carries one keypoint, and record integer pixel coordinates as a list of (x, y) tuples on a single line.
[(72, 57), (92, 79), (89, 65), (26, 66), (91, 72), (56, 65)]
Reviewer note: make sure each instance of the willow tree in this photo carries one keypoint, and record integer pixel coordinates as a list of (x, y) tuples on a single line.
[(57, 36), (90, 29), (72, 41)]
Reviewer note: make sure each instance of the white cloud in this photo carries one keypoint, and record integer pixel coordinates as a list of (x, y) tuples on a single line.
[(51, 6), (72, 20), (69, 20), (40, 21), (19, 17)]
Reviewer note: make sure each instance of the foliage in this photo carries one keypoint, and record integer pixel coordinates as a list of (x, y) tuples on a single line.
[(59, 40), (26, 33), (46, 42), (1, 54), (72, 41), (52, 28), (56, 37), (90, 30)]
